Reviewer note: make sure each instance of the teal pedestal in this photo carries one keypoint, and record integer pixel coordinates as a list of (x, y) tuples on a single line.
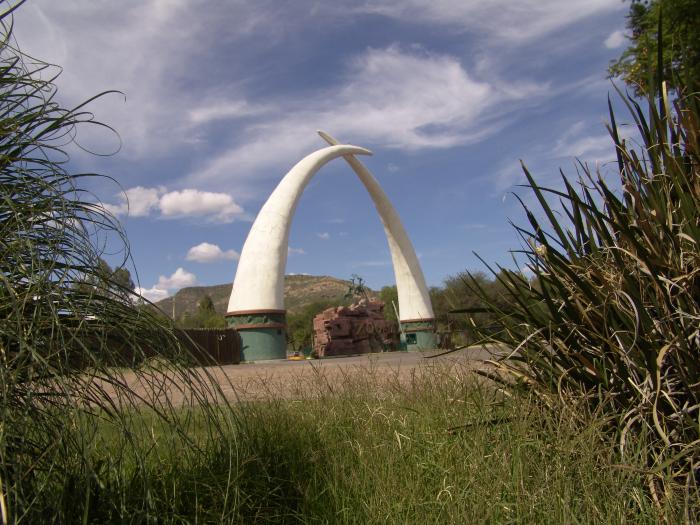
[(419, 334), (263, 333)]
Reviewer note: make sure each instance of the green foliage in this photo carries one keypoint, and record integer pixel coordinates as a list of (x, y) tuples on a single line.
[(614, 317), (356, 289), (389, 295), (680, 46), (300, 324), (104, 280), (64, 348), (205, 316), (365, 447), (456, 297)]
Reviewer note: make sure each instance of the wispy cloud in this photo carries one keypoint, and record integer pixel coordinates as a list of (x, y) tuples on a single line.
[(295, 251), (224, 110), (324, 236), (502, 20), (578, 142), (152, 51), (406, 99)]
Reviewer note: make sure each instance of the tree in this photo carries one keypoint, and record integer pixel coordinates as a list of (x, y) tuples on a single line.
[(300, 325), (389, 295), (122, 278), (51, 234), (116, 283), (357, 288), (205, 316), (680, 45)]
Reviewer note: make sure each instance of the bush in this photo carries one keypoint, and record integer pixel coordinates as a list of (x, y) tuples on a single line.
[(614, 316), (61, 342)]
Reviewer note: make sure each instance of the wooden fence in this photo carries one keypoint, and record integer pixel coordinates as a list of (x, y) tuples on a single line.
[(212, 345)]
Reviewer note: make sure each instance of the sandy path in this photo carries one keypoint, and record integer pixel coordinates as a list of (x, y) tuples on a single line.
[(284, 379)]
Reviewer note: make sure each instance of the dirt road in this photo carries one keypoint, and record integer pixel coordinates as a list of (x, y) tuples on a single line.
[(292, 379), (284, 379)]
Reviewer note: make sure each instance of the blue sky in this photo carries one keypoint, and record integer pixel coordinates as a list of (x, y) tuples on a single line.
[(221, 99)]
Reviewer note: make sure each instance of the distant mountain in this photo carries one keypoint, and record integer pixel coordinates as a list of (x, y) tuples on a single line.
[(299, 290)]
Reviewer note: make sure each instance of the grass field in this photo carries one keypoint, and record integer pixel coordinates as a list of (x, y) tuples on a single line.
[(444, 447)]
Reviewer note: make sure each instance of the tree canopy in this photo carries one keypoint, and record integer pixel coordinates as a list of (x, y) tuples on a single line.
[(679, 21), (205, 316)]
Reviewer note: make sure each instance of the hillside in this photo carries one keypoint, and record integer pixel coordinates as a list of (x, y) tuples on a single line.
[(299, 290)]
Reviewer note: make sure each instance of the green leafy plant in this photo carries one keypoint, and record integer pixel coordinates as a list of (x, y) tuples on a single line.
[(71, 355), (638, 66), (204, 317), (614, 312)]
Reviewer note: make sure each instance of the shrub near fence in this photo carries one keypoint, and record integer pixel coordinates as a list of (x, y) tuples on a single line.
[(212, 345)]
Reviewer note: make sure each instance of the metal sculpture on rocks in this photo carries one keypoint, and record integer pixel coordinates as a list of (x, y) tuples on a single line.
[(256, 307)]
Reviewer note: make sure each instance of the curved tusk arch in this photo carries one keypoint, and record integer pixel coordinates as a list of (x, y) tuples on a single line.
[(259, 281), (414, 299)]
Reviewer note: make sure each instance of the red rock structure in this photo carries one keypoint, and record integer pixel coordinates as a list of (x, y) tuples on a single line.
[(356, 329)]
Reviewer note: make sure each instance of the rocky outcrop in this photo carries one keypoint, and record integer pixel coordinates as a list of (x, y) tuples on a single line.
[(356, 329)]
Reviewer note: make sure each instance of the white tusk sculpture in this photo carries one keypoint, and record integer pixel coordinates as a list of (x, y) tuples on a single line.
[(259, 281), (414, 299), (256, 307)]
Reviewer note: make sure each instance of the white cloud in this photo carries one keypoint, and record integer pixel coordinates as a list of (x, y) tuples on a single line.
[(189, 202), (295, 251), (396, 98), (141, 202), (323, 236), (180, 278), (502, 20), (615, 40), (206, 253), (392, 168), (153, 294), (137, 202)]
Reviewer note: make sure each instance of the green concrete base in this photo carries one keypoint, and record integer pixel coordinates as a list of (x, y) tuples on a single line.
[(263, 333), (419, 334)]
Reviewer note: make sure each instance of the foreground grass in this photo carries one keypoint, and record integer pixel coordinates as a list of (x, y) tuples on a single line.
[(436, 448)]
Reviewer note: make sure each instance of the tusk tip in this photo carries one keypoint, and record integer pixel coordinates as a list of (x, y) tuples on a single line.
[(325, 136), (362, 151)]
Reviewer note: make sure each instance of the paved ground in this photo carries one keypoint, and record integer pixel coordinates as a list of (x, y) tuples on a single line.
[(284, 379)]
